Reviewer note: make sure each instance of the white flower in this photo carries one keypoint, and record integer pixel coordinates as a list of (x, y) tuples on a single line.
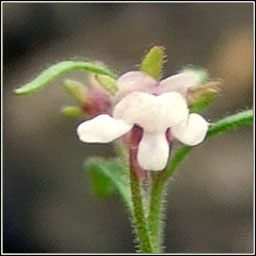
[(155, 107)]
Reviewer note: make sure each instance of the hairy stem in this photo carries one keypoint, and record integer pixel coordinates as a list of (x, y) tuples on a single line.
[(155, 213), (139, 218)]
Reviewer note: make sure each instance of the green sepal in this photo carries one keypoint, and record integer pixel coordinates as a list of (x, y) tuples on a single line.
[(152, 63), (108, 83)]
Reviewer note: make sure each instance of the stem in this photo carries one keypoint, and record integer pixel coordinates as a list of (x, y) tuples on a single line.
[(155, 213), (159, 181), (156, 203), (139, 215), (177, 159)]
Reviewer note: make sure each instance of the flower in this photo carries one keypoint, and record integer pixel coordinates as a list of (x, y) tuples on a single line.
[(156, 107)]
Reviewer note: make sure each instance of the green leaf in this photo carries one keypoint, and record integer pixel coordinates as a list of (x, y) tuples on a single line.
[(76, 89), (152, 64), (108, 83), (72, 112), (109, 175), (102, 185), (231, 122), (55, 71)]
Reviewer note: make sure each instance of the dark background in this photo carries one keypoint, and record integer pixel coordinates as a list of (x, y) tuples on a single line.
[(48, 203)]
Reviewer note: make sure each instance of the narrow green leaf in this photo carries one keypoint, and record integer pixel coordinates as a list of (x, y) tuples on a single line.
[(108, 83), (109, 175), (76, 89), (231, 122), (55, 71), (152, 64), (72, 112)]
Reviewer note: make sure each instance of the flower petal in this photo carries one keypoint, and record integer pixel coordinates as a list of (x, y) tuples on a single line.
[(174, 108), (191, 132), (180, 82), (153, 152), (152, 113), (133, 81), (102, 129)]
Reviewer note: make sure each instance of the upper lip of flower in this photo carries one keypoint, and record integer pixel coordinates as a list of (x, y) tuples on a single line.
[(138, 81), (154, 113)]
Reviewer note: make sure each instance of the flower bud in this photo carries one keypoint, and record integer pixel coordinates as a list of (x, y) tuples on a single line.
[(98, 103), (77, 90), (108, 83), (201, 96), (72, 112)]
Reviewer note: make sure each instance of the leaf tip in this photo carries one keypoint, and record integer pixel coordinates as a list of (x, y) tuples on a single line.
[(19, 91)]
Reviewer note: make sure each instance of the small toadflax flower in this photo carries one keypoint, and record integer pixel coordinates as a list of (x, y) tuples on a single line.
[(155, 107)]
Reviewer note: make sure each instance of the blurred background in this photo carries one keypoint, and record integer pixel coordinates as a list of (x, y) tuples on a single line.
[(48, 203)]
